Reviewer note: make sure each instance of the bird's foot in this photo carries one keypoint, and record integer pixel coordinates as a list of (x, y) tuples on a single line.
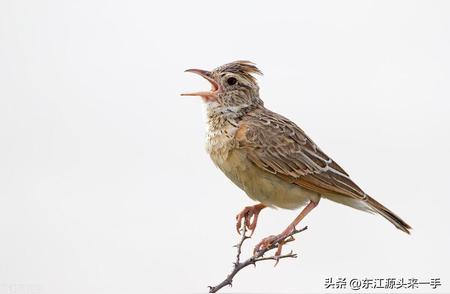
[(275, 241), (249, 215)]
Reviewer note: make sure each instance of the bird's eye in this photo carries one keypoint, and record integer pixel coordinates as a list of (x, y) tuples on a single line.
[(231, 81)]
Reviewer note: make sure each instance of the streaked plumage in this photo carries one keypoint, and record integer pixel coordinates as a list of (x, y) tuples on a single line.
[(267, 155)]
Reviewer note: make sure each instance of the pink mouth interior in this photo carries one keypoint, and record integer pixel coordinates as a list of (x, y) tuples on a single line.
[(214, 89)]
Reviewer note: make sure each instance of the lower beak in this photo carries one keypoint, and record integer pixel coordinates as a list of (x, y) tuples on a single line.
[(207, 95)]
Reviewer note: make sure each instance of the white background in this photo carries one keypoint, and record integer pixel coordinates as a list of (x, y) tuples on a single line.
[(105, 186)]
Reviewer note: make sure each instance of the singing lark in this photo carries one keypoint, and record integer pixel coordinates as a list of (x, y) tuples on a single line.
[(269, 157)]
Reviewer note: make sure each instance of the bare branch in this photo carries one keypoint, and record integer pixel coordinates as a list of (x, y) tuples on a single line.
[(259, 256)]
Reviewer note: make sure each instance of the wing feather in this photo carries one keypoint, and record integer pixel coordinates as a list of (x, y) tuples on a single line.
[(277, 145)]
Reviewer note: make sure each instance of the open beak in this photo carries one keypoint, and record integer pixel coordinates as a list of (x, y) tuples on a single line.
[(206, 95)]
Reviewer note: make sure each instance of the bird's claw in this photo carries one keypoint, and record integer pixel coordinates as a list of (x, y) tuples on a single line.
[(264, 244), (249, 217), (271, 241)]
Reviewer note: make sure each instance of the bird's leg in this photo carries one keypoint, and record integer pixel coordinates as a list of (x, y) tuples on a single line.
[(281, 238), (246, 214)]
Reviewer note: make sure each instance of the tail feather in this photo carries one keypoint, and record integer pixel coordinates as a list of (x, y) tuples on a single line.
[(389, 215)]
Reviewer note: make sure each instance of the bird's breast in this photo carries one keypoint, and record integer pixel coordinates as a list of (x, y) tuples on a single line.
[(258, 184), (219, 143)]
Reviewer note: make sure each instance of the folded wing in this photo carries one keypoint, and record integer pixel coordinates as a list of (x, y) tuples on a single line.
[(277, 145)]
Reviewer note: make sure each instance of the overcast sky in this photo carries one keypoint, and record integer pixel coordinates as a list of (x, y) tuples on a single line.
[(105, 185)]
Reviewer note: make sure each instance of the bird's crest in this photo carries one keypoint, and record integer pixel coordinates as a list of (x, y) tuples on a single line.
[(241, 67)]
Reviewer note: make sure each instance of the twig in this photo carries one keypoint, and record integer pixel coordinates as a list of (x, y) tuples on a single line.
[(259, 256)]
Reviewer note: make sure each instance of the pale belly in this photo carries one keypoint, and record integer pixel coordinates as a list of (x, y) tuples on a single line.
[(263, 186)]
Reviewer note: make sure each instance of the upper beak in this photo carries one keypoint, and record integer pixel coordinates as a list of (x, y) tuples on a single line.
[(207, 75)]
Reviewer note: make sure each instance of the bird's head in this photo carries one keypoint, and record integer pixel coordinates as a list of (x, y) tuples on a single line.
[(232, 85)]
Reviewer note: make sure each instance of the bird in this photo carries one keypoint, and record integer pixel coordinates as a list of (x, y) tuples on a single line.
[(269, 157)]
